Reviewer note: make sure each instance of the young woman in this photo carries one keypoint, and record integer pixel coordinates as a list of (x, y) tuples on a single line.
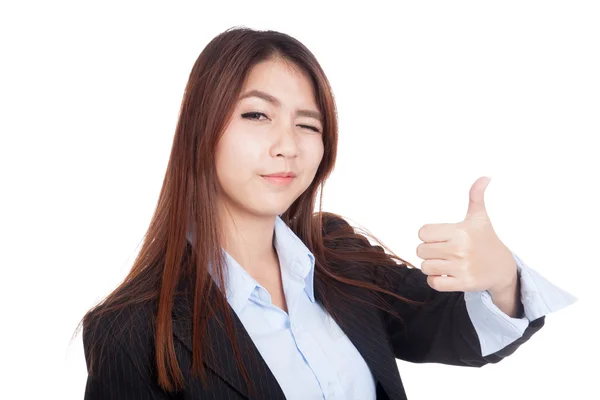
[(241, 290)]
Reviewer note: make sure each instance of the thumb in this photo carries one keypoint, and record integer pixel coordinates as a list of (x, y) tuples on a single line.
[(476, 198)]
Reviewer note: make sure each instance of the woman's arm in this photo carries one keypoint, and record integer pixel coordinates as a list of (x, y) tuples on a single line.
[(115, 375), (441, 331)]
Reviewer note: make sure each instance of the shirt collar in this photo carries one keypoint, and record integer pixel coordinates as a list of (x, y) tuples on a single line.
[(293, 256)]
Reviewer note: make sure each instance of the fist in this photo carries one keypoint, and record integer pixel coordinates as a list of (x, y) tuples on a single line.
[(467, 256)]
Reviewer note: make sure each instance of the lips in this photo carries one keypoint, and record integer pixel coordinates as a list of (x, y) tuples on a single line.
[(281, 175), (280, 178)]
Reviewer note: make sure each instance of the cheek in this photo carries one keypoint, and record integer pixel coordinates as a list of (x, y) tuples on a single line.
[(314, 154), (236, 159)]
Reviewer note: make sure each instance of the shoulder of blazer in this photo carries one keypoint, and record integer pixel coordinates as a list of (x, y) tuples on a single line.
[(129, 329)]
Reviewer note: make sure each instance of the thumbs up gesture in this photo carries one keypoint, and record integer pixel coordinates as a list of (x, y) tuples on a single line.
[(467, 256)]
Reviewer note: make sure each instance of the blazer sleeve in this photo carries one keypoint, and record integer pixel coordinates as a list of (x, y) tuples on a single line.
[(441, 330), (115, 374)]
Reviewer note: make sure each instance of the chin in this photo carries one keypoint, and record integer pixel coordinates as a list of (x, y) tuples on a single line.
[(272, 211)]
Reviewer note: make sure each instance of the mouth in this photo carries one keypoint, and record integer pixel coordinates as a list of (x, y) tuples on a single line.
[(278, 179)]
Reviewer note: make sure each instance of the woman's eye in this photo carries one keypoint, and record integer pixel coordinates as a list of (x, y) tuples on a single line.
[(253, 115), (312, 128)]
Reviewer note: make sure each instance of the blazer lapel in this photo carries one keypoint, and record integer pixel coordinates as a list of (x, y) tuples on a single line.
[(224, 365), (361, 323), (364, 327)]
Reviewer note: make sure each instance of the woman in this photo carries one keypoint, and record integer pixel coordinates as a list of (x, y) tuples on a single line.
[(242, 291)]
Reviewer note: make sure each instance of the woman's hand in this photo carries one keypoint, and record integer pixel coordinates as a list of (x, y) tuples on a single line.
[(469, 252)]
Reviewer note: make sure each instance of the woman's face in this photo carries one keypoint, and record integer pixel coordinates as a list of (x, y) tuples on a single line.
[(275, 128)]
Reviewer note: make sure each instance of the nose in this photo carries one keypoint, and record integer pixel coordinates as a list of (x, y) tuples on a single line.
[(284, 143)]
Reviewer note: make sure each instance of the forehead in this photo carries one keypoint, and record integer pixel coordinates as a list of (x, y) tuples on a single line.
[(281, 79)]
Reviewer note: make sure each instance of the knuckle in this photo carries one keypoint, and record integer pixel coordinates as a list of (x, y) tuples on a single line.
[(431, 282), (425, 267), (422, 232)]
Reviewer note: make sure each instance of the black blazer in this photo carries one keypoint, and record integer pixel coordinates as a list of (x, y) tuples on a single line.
[(440, 332)]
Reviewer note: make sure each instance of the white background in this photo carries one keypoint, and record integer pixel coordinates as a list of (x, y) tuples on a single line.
[(431, 96)]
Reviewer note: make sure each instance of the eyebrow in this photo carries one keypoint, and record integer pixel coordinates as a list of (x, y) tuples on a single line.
[(273, 100)]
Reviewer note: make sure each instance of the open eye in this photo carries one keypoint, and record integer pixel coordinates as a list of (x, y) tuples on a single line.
[(255, 115)]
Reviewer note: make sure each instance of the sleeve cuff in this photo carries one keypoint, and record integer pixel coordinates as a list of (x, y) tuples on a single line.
[(539, 296), (497, 330)]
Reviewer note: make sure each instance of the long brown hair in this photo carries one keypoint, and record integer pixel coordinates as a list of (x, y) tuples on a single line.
[(188, 198)]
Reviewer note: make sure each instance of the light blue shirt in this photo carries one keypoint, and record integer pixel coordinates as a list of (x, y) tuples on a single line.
[(497, 330), (308, 353)]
